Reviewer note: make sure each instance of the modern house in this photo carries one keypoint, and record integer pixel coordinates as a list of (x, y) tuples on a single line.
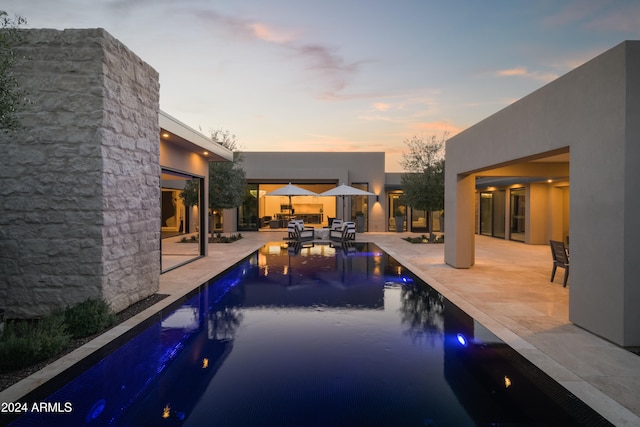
[(562, 163)]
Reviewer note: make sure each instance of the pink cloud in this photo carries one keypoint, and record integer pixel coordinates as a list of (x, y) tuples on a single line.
[(381, 106), (266, 33), (325, 61), (523, 72)]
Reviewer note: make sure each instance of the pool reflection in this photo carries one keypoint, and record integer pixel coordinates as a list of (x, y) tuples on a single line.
[(315, 334)]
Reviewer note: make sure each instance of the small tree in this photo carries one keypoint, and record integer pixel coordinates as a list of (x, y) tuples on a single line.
[(423, 185), (12, 97), (226, 179)]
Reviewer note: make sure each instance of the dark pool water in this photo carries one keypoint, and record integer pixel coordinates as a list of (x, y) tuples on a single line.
[(311, 335)]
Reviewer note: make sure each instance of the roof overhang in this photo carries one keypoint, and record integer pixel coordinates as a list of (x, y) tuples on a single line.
[(174, 131)]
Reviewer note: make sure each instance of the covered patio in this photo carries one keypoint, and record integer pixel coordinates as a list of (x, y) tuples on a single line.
[(591, 115)]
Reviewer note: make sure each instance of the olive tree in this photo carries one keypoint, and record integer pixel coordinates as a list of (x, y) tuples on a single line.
[(423, 184), (226, 179)]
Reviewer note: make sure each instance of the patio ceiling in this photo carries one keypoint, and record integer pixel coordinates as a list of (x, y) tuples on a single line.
[(548, 167), (189, 139)]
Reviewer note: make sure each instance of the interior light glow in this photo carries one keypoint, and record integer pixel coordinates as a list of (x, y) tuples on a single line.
[(462, 340), (205, 363), (166, 412), (549, 181), (206, 153)]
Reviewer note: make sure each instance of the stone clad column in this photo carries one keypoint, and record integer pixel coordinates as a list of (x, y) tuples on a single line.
[(80, 207)]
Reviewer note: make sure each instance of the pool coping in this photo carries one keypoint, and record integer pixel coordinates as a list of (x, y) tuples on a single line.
[(599, 401), (180, 282), (19, 390)]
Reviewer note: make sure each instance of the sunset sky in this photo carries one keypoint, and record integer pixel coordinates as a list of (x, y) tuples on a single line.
[(347, 75)]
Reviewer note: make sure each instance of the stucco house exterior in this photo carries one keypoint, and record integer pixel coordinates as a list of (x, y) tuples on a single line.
[(567, 161)]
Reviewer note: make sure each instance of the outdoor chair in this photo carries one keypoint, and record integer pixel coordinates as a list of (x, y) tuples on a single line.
[(336, 224), (560, 259), (347, 232), (297, 231)]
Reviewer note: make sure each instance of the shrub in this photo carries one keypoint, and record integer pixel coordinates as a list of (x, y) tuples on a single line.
[(424, 239), (27, 342), (219, 238), (88, 317)]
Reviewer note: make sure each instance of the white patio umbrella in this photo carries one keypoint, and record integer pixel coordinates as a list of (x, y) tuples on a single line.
[(291, 190), (346, 190)]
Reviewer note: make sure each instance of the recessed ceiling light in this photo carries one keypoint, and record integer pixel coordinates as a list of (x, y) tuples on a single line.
[(165, 135)]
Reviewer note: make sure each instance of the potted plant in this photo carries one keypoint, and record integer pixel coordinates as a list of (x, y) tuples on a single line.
[(360, 222), (399, 215)]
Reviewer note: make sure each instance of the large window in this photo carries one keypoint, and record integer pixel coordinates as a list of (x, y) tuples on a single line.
[(420, 221), (248, 219), (182, 220), (518, 214), (486, 214), (360, 208), (492, 213), (274, 212), (397, 213)]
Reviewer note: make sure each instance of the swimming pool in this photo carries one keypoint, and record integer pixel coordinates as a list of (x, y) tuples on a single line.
[(313, 335)]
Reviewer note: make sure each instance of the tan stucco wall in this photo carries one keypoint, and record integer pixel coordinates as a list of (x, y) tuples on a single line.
[(594, 112)]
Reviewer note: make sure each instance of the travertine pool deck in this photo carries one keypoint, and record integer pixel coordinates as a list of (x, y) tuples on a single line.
[(508, 290)]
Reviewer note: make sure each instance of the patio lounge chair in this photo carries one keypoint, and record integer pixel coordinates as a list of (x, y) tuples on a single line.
[(297, 231), (346, 232), (560, 259)]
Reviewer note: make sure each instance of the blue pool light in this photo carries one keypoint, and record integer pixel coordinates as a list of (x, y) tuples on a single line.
[(96, 410), (462, 340)]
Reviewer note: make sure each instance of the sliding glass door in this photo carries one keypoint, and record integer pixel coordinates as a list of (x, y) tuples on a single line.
[(182, 218), (518, 214)]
